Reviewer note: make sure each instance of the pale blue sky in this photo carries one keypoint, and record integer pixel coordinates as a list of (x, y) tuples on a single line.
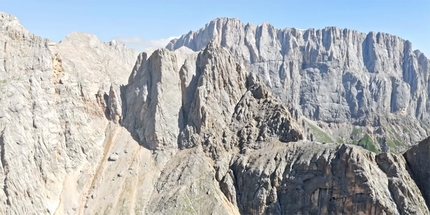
[(147, 23)]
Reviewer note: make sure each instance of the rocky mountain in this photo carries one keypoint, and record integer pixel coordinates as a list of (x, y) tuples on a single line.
[(352, 84), (88, 127), (52, 121)]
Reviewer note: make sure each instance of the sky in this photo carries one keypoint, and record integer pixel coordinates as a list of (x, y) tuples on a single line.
[(149, 23)]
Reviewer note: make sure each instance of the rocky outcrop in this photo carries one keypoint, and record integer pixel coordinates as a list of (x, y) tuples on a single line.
[(210, 97), (332, 75), (114, 105), (259, 116), (418, 161), (153, 100)]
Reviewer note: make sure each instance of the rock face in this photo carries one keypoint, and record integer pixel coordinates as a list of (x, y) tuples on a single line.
[(333, 76), (263, 176), (309, 178), (153, 95), (52, 124), (188, 133), (418, 163)]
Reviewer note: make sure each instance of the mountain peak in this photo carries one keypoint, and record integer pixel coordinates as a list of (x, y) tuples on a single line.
[(224, 20), (5, 17), (9, 22)]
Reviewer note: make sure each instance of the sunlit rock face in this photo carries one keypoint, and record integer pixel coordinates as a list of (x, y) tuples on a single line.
[(88, 127), (341, 78)]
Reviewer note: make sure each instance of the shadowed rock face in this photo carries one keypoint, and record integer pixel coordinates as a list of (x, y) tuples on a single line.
[(186, 133), (418, 161)]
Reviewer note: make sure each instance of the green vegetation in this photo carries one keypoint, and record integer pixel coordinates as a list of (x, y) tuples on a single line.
[(390, 144), (319, 134), (355, 132), (397, 142), (394, 143), (396, 139), (367, 143)]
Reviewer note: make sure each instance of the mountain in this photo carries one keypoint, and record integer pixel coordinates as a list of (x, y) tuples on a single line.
[(352, 84), (52, 121), (88, 127)]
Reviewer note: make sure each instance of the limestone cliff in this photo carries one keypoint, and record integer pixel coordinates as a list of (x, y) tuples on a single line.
[(85, 130), (370, 84)]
